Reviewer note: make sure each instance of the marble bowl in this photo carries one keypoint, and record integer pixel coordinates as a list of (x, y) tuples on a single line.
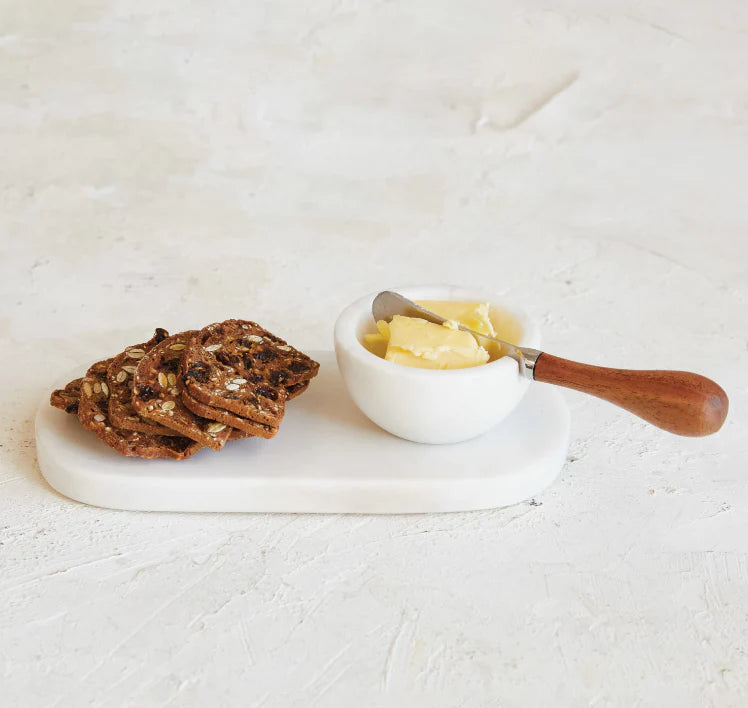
[(429, 406)]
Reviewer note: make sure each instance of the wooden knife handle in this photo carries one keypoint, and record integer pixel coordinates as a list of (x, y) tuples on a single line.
[(677, 401)]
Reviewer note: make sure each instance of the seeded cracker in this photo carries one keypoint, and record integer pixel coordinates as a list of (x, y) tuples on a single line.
[(120, 376), (93, 411), (239, 435), (67, 398), (157, 390), (223, 417), (296, 390), (238, 366)]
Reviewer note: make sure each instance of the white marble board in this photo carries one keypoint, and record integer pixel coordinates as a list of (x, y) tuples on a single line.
[(327, 457)]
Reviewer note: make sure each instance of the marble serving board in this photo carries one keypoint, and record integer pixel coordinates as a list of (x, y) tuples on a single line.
[(326, 458)]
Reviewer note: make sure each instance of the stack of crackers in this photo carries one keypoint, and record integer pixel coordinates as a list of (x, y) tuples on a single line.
[(173, 395)]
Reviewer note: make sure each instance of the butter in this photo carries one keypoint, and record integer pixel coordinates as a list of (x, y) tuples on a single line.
[(418, 343), (377, 343), (474, 315), (412, 341)]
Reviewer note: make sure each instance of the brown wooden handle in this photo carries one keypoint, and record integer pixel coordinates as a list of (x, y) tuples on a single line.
[(677, 401)]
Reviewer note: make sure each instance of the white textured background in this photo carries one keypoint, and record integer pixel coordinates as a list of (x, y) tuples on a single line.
[(176, 163)]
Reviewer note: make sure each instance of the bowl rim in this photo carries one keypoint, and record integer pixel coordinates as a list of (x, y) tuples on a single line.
[(347, 323)]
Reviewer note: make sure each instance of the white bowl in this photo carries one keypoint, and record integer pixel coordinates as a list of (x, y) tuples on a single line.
[(423, 405)]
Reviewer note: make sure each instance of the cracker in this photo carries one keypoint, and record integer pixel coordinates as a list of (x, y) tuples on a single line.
[(67, 398), (120, 376), (157, 389), (296, 390), (238, 366), (223, 416), (93, 412)]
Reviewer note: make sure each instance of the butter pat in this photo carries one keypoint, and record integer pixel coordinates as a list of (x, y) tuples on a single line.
[(377, 343), (417, 343), (473, 315), (414, 342)]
